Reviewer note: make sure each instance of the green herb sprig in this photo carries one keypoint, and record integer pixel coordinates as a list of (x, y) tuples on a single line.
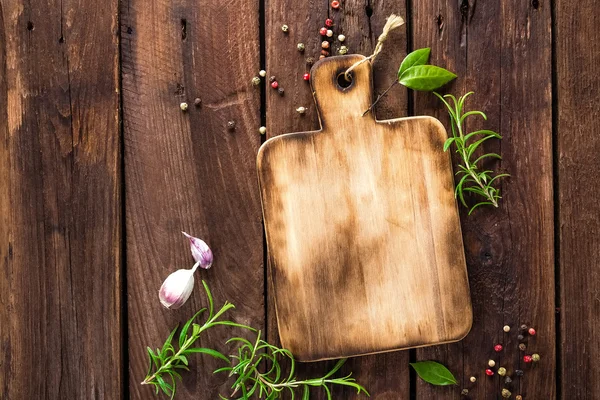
[(253, 357), (248, 365), (434, 373), (473, 178)]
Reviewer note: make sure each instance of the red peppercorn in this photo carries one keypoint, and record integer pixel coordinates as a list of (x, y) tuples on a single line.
[(335, 4), (531, 331), (274, 84), (498, 348), (527, 359), (489, 372), (324, 53), (306, 77), (328, 22), (323, 31)]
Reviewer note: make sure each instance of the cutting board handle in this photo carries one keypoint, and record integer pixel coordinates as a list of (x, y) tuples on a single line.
[(338, 100)]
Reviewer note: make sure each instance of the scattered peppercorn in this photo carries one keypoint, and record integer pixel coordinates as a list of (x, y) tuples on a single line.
[(198, 101), (328, 23), (310, 61), (464, 392), (518, 397), (491, 363), (306, 77), (324, 53), (535, 357), (262, 73), (520, 337), (335, 4), (506, 393), (498, 348), (280, 91), (522, 346), (519, 372), (231, 125), (343, 50), (325, 44), (523, 327), (329, 33), (507, 380), (527, 359), (285, 28), (262, 130), (506, 328), (183, 106), (256, 81), (531, 331), (274, 84), (323, 31), (341, 38), (272, 79), (301, 47), (322, 57), (473, 379), (489, 372), (502, 371), (301, 110)]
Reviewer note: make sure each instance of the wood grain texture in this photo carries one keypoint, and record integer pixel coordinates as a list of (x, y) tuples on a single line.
[(502, 52), (187, 171), (362, 228), (60, 220), (577, 112), (386, 375)]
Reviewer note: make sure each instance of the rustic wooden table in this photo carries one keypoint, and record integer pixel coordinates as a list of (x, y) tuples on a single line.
[(100, 170)]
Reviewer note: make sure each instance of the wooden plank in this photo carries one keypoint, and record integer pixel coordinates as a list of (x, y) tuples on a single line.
[(502, 51), (60, 216), (385, 375), (577, 83), (188, 171)]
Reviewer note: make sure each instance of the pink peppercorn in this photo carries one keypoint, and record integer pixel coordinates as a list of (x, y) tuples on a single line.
[(498, 348), (335, 4), (323, 31), (527, 359), (531, 331), (489, 372), (274, 84), (328, 22), (306, 77)]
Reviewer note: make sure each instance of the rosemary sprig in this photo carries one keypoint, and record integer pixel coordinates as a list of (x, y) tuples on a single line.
[(165, 362), (473, 178), (251, 359), (254, 357)]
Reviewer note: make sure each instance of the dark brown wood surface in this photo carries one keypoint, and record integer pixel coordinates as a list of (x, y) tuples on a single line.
[(89, 231), (60, 201), (576, 88)]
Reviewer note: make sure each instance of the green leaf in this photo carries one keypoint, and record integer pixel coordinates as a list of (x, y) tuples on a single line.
[(417, 57), (448, 142), (434, 373), (425, 77), (210, 352), (183, 334)]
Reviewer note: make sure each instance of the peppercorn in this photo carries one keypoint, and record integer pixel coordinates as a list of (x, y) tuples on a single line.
[(285, 28), (323, 31), (535, 357), (335, 4), (310, 61), (506, 328), (325, 44), (329, 33), (343, 50), (506, 393), (520, 338), (523, 327), (231, 125), (324, 53), (527, 359), (272, 79), (531, 331), (341, 38), (274, 84), (489, 372), (518, 397), (198, 100), (491, 363), (183, 106), (519, 372), (464, 392), (328, 22), (498, 348), (502, 371), (507, 380), (280, 91), (256, 81), (301, 110), (306, 76), (262, 73), (522, 346), (301, 47), (322, 57), (473, 379), (262, 130)]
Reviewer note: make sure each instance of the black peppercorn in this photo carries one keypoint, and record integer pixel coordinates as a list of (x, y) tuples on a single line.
[(280, 91), (520, 338), (519, 372), (231, 125), (508, 380), (272, 79), (523, 327)]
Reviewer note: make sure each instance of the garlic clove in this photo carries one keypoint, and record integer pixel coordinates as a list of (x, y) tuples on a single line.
[(177, 288), (200, 251)]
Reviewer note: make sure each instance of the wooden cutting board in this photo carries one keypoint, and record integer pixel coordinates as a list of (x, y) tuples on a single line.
[(364, 239)]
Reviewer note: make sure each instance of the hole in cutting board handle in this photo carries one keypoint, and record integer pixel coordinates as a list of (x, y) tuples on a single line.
[(342, 82)]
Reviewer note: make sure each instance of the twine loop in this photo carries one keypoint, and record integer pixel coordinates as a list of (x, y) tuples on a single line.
[(393, 22)]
